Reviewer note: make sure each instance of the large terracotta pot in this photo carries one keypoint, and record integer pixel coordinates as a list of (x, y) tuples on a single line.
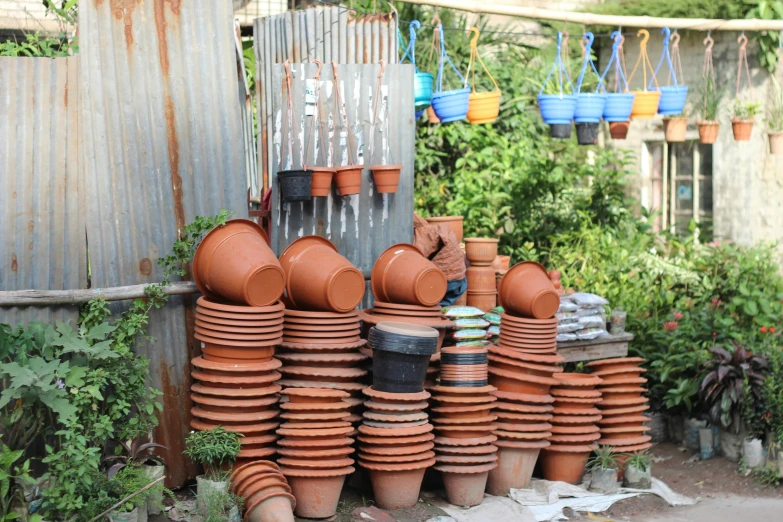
[(515, 468), (742, 129), (465, 485), (397, 486), (317, 490), (527, 291), (565, 463), (484, 301), (234, 263), (319, 278), (481, 279), (403, 275), (708, 132), (453, 222), (481, 251), (386, 177)]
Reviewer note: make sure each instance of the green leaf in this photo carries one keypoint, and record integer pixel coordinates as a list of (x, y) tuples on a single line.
[(751, 308)]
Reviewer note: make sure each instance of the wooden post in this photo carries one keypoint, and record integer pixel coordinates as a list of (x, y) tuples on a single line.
[(75, 297)]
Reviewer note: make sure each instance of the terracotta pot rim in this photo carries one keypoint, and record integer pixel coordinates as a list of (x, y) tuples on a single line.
[(472, 441), (406, 466), (518, 444), (574, 394), (517, 427), (467, 450), (614, 360), (546, 417), (524, 397), (577, 379), (408, 417), (623, 419), (257, 502), (395, 459), (620, 369), (325, 358), (315, 371), (236, 343), (623, 402), (523, 435), (304, 422), (200, 425), (521, 376), (321, 346), (239, 403), (708, 122), (381, 406), (523, 407), (304, 314), (316, 443), (315, 392), (316, 473), (370, 316), (467, 469), (327, 432), (385, 440), (396, 432), (462, 399), (394, 166), (314, 463), (235, 392), (451, 423), (250, 322), (525, 357), (317, 407), (211, 304), (407, 307), (629, 429), (270, 365), (239, 379), (571, 448), (345, 386), (402, 397), (457, 390), (260, 415), (565, 419)]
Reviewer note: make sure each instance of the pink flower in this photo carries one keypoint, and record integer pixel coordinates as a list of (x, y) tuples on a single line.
[(677, 315), (670, 326), (716, 303)]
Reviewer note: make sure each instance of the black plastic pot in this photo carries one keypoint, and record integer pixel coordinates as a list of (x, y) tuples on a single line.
[(295, 185), (587, 133), (468, 358), (464, 384), (561, 131), (399, 362)]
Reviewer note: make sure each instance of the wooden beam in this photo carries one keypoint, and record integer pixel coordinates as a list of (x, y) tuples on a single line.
[(600, 348), (697, 24), (75, 297)]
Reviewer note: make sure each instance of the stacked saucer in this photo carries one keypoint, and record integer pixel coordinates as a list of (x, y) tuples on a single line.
[(527, 334), (395, 445), (302, 327), (265, 490), (574, 428), (463, 366), (315, 448)]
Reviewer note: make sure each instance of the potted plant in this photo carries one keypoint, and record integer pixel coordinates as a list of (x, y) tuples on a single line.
[(140, 454), (122, 494), (222, 506), (674, 127), (638, 471), (707, 105), (603, 468), (775, 120), (743, 119), (732, 379), (216, 450)]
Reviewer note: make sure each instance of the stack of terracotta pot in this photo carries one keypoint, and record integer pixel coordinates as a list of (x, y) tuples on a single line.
[(622, 405), (314, 448), (265, 490), (574, 428), (481, 253)]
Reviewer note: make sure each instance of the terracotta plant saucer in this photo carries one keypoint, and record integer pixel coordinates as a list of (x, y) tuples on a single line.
[(218, 323), (239, 379), (256, 440), (525, 345), (407, 449), (542, 342), (315, 463), (243, 344), (577, 429), (321, 339), (315, 407), (392, 407), (637, 430), (533, 334), (464, 399), (200, 362), (576, 410), (392, 459), (325, 372), (577, 380), (309, 346), (527, 349), (623, 402), (524, 397), (617, 362), (523, 418), (344, 386), (519, 383), (509, 364), (243, 337), (622, 410), (311, 395), (522, 408), (315, 425), (242, 318), (338, 330), (526, 357), (393, 418), (395, 441), (560, 419), (322, 433), (573, 402), (373, 317), (321, 315), (260, 415), (219, 330), (309, 417), (205, 389), (234, 404), (627, 392), (317, 453), (203, 302), (526, 321), (623, 420), (467, 431), (395, 432), (523, 427), (574, 393), (398, 466), (473, 441), (298, 323), (584, 438), (393, 425), (466, 408), (631, 441), (466, 450), (523, 435), (407, 313), (522, 444), (459, 391), (465, 460), (379, 396), (335, 442), (245, 429), (407, 307), (618, 371), (623, 381), (447, 421)]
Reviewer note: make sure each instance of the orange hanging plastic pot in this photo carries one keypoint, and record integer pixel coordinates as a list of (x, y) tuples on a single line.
[(386, 177), (645, 103), (483, 107), (322, 181), (403, 275), (349, 179)]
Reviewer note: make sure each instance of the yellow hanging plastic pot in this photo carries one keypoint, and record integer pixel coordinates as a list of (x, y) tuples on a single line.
[(483, 107), (645, 103)]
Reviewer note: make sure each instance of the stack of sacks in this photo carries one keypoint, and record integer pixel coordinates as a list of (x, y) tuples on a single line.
[(471, 328), (265, 491), (493, 318), (581, 317), (315, 447), (622, 405), (574, 428)]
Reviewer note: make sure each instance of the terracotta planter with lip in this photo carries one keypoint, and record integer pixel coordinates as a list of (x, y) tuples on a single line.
[(319, 278), (527, 291), (481, 251), (484, 301), (520, 383), (674, 129), (234, 262), (481, 279), (775, 143), (272, 507), (627, 363), (465, 485), (742, 129), (317, 491), (349, 179), (386, 177), (401, 274), (618, 129), (514, 470), (566, 463), (511, 365), (453, 222), (236, 354), (708, 132), (322, 181), (314, 395), (623, 392), (396, 486), (580, 381)]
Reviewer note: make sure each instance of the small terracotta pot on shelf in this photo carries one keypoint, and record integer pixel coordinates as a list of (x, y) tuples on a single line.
[(322, 181), (708, 132), (742, 129), (481, 251), (454, 223), (618, 130), (348, 179), (674, 129), (386, 177)]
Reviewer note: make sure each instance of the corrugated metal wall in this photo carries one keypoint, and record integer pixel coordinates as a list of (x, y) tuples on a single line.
[(324, 33), (364, 225), (163, 144), (41, 195)]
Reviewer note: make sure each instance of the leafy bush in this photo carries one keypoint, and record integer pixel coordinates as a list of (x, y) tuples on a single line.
[(213, 449)]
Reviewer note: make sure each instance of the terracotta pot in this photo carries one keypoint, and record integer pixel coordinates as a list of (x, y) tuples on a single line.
[(484, 301), (319, 278), (581, 381), (395, 398), (708, 132), (275, 507), (234, 262), (512, 365), (618, 129), (386, 177), (317, 491), (349, 179), (515, 468), (465, 442), (403, 275), (562, 463), (314, 395), (526, 290), (481, 251), (625, 363), (674, 129), (742, 129), (775, 143), (322, 181), (465, 487), (481, 279), (233, 354), (525, 357), (525, 398), (628, 392), (397, 486), (503, 406), (453, 222), (431, 116), (519, 383), (464, 431)]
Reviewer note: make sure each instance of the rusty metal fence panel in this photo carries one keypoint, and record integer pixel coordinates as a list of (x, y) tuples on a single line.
[(163, 143), (43, 243), (326, 33), (363, 225)]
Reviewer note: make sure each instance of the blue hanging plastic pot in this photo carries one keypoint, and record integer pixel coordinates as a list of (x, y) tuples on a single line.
[(422, 90), (419, 113), (589, 107), (451, 105), (672, 100), (618, 106), (557, 109)]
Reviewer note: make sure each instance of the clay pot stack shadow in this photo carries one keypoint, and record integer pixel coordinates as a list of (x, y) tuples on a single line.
[(574, 427), (464, 422), (622, 406), (482, 290), (522, 368), (265, 490), (235, 378), (395, 438), (315, 448)]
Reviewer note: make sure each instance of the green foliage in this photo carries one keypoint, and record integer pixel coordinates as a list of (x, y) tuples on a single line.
[(768, 40), (102, 492), (640, 460), (775, 112), (14, 473), (772, 395), (603, 458), (34, 45), (709, 95), (746, 110), (766, 475), (213, 449), (218, 505)]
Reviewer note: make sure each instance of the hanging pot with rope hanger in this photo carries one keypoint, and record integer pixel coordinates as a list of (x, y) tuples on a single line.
[(645, 103), (385, 176), (675, 125), (322, 175), (589, 105), (295, 185), (673, 97), (557, 110), (348, 177), (617, 110), (483, 107), (422, 81), (742, 127), (708, 129), (449, 105)]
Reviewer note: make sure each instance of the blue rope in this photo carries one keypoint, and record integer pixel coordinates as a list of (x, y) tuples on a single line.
[(588, 58), (665, 54), (440, 65), (558, 64), (410, 51), (615, 59)]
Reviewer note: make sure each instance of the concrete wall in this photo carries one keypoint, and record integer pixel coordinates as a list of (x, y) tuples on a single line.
[(747, 188)]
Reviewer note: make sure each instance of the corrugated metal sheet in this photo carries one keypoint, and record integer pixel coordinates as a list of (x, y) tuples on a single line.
[(43, 244), (325, 33), (162, 144), (364, 225)]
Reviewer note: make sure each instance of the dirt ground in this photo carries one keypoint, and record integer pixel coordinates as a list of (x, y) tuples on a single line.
[(723, 494)]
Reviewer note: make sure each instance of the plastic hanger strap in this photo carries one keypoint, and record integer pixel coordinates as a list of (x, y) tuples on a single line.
[(587, 59), (410, 51), (289, 121), (559, 67), (743, 59), (665, 54), (708, 69), (476, 57), (675, 38), (375, 104), (341, 110), (614, 60), (445, 57), (316, 120), (643, 59)]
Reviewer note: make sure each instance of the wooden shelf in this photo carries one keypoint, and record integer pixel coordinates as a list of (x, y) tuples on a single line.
[(604, 347)]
